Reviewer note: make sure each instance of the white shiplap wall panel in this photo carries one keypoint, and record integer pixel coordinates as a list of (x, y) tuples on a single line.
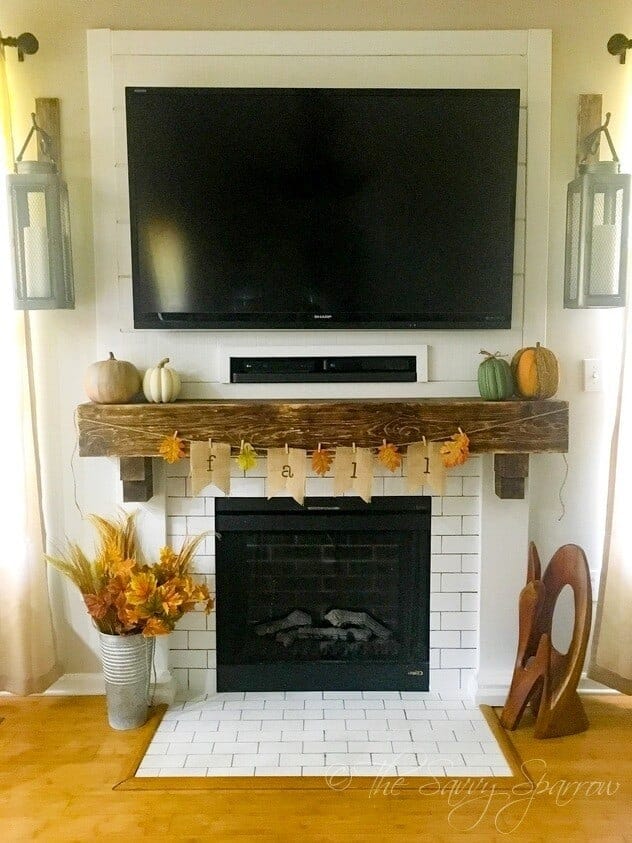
[(537, 193), (335, 43), (119, 59), (521, 192)]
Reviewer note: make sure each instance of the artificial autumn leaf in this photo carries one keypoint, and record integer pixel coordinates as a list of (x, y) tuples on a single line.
[(247, 457), (171, 597), (131, 618), (122, 569), (167, 555), (167, 567), (171, 449), (156, 626), (98, 605), (141, 588), (388, 454), (321, 461), (456, 450), (198, 593)]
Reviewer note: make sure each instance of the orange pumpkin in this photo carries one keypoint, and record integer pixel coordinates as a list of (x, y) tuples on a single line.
[(536, 372)]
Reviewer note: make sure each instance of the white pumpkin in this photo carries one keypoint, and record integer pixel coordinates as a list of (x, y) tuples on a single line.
[(161, 384)]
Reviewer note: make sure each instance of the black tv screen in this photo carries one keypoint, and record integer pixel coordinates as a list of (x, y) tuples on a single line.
[(322, 208)]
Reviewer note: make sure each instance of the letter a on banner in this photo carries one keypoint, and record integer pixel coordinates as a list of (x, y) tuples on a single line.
[(353, 472), (210, 464), (287, 468), (424, 467)]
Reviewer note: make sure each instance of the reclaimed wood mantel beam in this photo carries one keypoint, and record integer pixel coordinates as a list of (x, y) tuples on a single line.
[(504, 427)]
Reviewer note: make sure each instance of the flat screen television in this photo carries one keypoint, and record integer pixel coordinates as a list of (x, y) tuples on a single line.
[(322, 208)]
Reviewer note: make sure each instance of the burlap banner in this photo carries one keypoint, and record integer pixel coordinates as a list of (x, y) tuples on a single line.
[(353, 472), (287, 469), (210, 464), (424, 466)]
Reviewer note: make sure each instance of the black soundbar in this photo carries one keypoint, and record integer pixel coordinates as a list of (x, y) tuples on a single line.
[(367, 369)]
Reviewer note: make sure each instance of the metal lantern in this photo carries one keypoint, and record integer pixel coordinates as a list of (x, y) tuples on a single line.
[(40, 229), (597, 221)]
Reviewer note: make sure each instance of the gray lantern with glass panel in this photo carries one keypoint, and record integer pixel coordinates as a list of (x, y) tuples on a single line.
[(597, 221), (40, 229)]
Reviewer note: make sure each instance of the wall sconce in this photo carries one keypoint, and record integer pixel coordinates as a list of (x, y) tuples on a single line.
[(597, 220), (618, 45), (26, 43), (40, 229)]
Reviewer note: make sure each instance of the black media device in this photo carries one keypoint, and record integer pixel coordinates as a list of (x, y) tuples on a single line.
[(322, 208), (365, 369)]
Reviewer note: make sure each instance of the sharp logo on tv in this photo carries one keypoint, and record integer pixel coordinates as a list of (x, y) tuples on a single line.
[(382, 207)]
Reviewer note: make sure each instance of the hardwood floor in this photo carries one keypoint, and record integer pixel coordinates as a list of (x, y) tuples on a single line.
[(59, 761)]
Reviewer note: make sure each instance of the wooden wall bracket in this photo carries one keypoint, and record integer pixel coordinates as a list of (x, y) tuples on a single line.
[(138, 479), (588, 120), (510, 472), (47, 116)]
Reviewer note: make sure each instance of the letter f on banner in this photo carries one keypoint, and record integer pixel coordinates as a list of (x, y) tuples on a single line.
[(210, 464)]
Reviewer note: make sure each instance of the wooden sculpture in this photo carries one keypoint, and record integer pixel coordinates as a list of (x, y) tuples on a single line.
[(544, 677)]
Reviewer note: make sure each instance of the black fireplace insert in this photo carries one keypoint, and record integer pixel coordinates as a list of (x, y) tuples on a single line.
[(332, 595)]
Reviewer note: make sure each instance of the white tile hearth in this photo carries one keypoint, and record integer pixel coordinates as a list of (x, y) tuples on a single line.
[(325, 733)]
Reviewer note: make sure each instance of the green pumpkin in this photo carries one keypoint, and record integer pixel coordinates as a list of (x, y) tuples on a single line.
[(495, 381)]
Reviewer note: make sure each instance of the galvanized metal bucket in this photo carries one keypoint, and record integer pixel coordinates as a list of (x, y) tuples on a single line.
[(127, 661)]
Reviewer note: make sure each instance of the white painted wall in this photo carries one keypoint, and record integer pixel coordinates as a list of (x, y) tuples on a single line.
[(67, 341)]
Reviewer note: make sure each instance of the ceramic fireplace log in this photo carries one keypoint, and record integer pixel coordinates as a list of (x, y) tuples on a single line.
[(340, 617), (323, 633), (293, 620)]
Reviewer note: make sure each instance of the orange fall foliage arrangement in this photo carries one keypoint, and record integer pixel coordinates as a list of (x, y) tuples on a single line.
[(124, 594)]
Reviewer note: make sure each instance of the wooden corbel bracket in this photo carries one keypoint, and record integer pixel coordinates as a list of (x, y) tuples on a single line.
[(138, 479), (510, 472)]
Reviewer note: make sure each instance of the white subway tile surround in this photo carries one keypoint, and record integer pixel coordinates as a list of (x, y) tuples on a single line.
[(391, 733), (455, 565)]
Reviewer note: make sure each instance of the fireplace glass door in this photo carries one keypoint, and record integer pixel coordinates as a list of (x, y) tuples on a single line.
[(330, 596)]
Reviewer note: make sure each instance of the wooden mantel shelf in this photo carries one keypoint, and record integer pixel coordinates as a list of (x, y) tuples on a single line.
[(514, 428)]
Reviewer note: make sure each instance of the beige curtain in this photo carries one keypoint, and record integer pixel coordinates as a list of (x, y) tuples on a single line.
[(611, 659), (27, 653)]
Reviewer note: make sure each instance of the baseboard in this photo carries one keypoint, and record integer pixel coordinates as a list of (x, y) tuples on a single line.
[(92, 684), (496, 694), (491, 694), (89, 684), (77, 685)]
